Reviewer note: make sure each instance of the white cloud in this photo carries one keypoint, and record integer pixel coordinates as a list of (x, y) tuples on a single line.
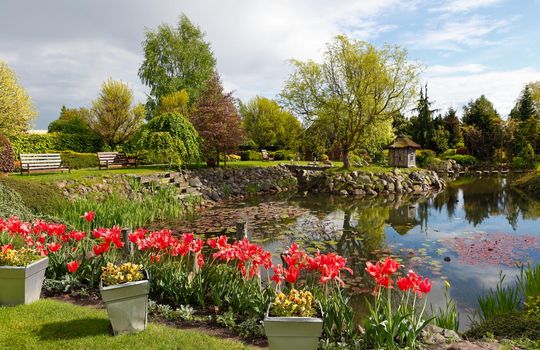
[(447, 70), (500, 87), (67, 49), (463, 5), (456, 35)]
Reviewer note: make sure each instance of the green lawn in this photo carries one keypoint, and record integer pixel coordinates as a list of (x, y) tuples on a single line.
[(81, 173), (49, 324)]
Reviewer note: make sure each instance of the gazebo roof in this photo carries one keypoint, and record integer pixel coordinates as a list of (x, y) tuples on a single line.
[(404, 142)]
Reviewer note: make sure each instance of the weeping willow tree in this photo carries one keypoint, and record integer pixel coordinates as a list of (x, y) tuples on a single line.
[(354, 93), (170, 138)]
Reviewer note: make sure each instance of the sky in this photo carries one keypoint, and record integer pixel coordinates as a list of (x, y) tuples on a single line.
[(63, 50)]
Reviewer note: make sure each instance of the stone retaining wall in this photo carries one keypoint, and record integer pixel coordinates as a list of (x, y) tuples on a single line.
[(215, 184), (366, 183)]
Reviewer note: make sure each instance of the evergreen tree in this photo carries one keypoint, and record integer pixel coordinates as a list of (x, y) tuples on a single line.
[(528, 119), (423, 126), (453, 126)]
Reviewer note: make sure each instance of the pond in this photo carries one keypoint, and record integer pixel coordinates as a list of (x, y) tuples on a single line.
[(467, 235)]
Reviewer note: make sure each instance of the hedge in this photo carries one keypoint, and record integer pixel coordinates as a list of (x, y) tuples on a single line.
[(79, 160), (43, 143)]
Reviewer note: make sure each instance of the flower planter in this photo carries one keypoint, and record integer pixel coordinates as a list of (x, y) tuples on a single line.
[(298, 333), (22, 284), (127, 305)]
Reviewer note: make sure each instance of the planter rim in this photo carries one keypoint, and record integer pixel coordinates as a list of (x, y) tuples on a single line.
[(26, 266), (293, 319), (267, 316), (121, 285)]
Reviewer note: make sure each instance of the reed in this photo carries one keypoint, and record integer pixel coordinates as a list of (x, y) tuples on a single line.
[(161, 205), (499, 301)]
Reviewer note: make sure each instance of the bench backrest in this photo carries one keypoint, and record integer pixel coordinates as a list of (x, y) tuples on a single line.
[(112, 157), (41, 161)]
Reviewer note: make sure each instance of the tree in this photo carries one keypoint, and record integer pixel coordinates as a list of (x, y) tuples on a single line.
[(453, 126), (423, 126), (176, 58), (176, 102), (483, 132), (354, 92), (401, 125), (16, 108), (170, 138), (217, 121), (112, 116), (527, 116), (268, 124), (72, 121)]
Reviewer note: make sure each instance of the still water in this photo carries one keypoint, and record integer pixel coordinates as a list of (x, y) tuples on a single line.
[(467, 235)]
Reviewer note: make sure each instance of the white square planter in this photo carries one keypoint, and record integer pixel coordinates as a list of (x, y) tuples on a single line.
[(22, 285), (127, 306), (298, 333)]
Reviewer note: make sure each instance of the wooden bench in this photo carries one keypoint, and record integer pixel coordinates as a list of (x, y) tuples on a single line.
[(42, 162), (266, 155), (108, 159)]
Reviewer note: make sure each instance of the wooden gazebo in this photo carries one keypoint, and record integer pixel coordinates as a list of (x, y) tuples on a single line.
[(402, 152)]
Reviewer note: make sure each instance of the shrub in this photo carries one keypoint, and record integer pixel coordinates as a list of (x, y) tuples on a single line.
[(80, 160), (250, 155), (12, 204), (284, 155), (511, 325), (463, 159), (424, 158), (7, 161), (448, 153)]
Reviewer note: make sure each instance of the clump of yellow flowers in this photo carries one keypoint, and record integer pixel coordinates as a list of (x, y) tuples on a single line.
[(117, 274), (296, 304), (18, 257)]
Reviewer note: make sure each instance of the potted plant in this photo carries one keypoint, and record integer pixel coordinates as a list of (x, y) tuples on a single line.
[(22, 272), (291, 323), (124, 290)]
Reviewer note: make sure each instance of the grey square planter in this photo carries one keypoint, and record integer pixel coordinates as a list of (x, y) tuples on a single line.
[(22, 285), (298, 333), (127, 306)]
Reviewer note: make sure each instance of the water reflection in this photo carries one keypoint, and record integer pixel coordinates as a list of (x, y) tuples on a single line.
[(465, 234)]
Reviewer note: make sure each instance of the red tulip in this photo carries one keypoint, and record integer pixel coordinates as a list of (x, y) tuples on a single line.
[(7, 247), (424, 286), (89, 216), (404, 284), (54, 247), (73, 266)]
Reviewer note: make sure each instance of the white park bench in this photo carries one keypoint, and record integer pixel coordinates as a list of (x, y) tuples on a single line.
[(42, 162)]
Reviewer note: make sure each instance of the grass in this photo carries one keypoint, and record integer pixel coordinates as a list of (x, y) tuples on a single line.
[(49, 324), (82, 173)]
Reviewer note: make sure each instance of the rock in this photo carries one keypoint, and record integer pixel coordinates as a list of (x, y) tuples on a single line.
[(447, 258), (195, 182), (343, 192)]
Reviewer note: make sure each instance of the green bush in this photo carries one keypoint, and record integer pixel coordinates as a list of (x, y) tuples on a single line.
[(448, 153), (43, 143), (7, 161), (80, 160), (39, 197), (424, 158), (284, 155), (463, 159), (250, 155), (519, 163)]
